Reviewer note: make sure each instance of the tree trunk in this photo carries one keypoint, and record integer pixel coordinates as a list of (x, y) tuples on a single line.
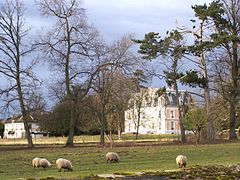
[(138, 121), (111, 138), (72, 124), (119, 130), (232, 132), (24, 114), (182, 128), (102, 140), (234, 92), (198, 135), (202, 62), (103, 127), (210, 125)]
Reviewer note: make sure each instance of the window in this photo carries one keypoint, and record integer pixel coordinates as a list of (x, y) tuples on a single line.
[(129, 115), (155, 102), (160, 125), (172, 114), (153, 126), (172, 99), (129, 127), (172, 125), (159, 114)]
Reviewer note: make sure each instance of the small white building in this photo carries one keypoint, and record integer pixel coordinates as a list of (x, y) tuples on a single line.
[(14, 128), (157, 114)]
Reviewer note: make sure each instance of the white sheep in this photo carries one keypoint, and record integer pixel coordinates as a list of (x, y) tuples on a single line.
[(112, 157), (64, 164), (181, 160), (40, 162)]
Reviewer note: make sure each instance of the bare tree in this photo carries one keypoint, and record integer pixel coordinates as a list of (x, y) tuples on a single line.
[(14, 61), (69, 46), (120, 64)]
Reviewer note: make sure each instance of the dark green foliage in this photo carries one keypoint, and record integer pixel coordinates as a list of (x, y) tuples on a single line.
[(149, 47), (200, 47), (152, 46), (192, 79), (161, 91), (140, 76), (139, 79), (56, 122), (172, 76), (215, 13), (169, 47), (214, 10)]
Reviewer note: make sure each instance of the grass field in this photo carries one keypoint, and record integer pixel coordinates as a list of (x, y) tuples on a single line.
[(89, 139), (16, 159)]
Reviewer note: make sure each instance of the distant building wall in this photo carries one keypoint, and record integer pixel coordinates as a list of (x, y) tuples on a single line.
[(158, 115), (13, 129)]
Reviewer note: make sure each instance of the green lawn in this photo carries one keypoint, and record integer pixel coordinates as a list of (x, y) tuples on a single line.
[(16, 161)]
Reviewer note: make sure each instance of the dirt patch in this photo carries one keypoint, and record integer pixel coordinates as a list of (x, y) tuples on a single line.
[(198, 172)]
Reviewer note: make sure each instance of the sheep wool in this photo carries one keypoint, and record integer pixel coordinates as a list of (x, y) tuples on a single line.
[(36, 162), (45, 163), (112, 157), (40, 162), (64, 164), (181, 160)]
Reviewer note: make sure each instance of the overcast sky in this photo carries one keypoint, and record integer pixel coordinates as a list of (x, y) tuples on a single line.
[(114, 18)]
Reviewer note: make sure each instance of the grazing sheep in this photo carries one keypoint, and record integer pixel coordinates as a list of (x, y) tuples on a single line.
[(112, 157), (181, 161), (64, 164), (40, 162)]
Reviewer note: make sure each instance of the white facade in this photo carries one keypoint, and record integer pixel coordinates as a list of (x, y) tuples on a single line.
[(158, 115), (15, 129)]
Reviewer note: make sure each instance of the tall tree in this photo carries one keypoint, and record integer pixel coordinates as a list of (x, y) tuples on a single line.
[(14, 59), (225, 15), (139, 105), (171, 51), (199, 50), (69, 46), (119, 63)]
